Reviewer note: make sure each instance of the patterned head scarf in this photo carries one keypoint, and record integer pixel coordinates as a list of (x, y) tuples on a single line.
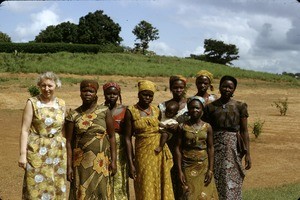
[(89, 83), (198, 98), (115, 85), (111, 84), (146, 85), (207, 74), (175, 78)]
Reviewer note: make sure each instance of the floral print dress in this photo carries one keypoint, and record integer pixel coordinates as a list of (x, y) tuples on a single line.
[(91, 153), (45, 174)]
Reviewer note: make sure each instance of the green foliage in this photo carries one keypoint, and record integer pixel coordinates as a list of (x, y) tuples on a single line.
[(145, 33), (281, 105), (257, 127), (4, 37), (33, 90), (219, 52), (290, 191), (98, 28)]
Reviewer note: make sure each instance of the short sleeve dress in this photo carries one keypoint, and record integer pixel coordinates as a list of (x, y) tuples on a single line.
[(45, 174)]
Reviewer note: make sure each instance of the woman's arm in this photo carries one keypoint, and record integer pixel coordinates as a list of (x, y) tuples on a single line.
[(210, 154), (178, 157), (112, 139), (69, 128), (128, 135), (245, 135), (26, 123)]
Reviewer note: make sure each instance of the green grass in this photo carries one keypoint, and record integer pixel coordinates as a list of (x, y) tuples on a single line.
[(285, 192), (125, 64)]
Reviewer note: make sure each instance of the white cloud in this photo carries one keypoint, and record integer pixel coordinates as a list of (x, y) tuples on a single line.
[(161, 48)]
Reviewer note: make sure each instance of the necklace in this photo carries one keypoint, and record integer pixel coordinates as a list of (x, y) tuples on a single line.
[(196, 131), (144, 110)]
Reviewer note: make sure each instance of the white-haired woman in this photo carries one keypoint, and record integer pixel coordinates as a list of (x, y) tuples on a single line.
[(42, 144)]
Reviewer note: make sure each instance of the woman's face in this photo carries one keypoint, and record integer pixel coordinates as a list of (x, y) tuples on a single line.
[(227, 89), (195, 109), (47, 87), (202, 83), (111, 95), (178, 88), (88, 94), (146, 97)]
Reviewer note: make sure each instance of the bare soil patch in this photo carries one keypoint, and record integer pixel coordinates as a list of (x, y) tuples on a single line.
[(275, 154)]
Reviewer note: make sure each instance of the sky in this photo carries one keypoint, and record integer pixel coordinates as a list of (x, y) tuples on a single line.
[(266, 32)]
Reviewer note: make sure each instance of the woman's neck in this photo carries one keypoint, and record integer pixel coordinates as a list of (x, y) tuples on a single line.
[(203, 94), (88, 107), (143, 105), (111, 105), (46, 100), (195, 120)]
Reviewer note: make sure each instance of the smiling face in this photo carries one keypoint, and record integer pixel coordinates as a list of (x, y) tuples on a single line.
[(145, 97), (111, 95), (178, 88), (88, 95), (195, 109), (47, 87)]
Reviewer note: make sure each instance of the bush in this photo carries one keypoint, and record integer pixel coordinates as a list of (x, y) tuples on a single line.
[(281, 105), (257, 127), (33, 90)]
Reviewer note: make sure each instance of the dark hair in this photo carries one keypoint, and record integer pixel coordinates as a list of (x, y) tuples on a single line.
[(173, 104), (229, 78)]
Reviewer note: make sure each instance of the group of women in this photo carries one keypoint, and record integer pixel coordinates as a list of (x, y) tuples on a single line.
[(92, 146)]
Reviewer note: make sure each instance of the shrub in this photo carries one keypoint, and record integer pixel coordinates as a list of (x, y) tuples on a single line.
[(257, 127), (281, 105), (33, 90)]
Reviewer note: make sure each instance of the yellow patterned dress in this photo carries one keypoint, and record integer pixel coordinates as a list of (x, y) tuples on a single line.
[(153, 180), (45, 175), (195, 163), (91, 154)]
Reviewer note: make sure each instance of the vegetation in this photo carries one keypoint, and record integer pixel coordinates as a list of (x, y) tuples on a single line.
[(4, 37), (126, 64), (257, 127), (290, 191), (218, 52), (145, 33), (281, 105), (33, 90)]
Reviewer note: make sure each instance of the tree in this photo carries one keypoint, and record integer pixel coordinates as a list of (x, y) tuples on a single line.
[(64, 32), (219, 52), (4, 37), (145, 33), (98, 28)]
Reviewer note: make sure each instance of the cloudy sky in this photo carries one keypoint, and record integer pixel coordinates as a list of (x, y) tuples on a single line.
[(267, 32)]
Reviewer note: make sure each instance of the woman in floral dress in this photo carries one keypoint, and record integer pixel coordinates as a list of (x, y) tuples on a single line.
[(42, 145), (90, 147), (149, 170), (112, 93)]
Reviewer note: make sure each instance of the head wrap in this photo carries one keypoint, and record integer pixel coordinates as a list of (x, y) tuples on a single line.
[(205, 73), (111, 84), (175, 78), (89, 83), (198, 98), (146, 85), (228, 78)]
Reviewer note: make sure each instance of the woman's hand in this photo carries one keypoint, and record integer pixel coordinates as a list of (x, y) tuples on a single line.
[(113, 168), (70, 175), (248, 163), (208, 177), (132, 172), (22, 161)]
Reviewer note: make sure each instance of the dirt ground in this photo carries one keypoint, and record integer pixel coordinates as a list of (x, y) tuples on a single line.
[(275, 154)]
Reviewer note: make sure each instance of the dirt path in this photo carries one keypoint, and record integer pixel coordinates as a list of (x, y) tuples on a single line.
[(275, 155)]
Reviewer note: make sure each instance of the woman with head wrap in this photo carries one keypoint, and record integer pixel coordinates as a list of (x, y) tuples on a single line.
[(228, 119), (42, 144), (90, 147), (149, 170), (112, 93), (195, 154), (204, 81), (177, 86)]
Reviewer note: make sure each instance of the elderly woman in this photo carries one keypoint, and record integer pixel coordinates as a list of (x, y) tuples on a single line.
[(112, 93), (150, 170), (42, 145), (228, 119), (204, 81), (91, 147)]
